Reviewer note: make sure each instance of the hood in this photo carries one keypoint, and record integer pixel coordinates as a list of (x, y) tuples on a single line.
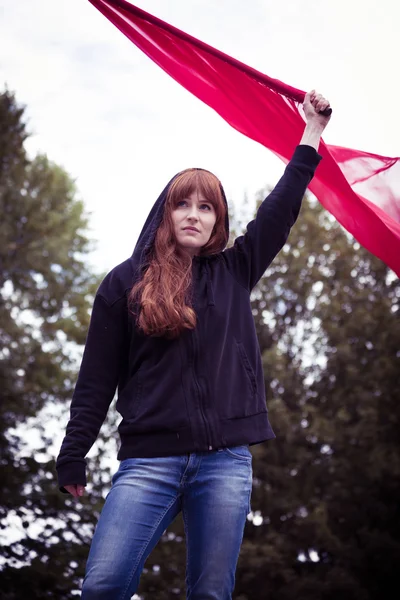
[(147, 235)]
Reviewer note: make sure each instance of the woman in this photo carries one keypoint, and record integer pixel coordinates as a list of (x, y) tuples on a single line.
[(172, 327)]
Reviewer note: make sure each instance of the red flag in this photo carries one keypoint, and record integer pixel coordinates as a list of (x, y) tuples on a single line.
[(360, 189)]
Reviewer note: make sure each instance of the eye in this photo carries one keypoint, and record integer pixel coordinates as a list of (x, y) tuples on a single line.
[(206, 206), (181, 203)]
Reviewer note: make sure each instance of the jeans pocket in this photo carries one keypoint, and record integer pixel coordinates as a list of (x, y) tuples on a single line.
[(125, 464), (240, 452)]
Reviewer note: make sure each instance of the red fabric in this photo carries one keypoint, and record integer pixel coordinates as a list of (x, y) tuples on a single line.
[(361, 190)]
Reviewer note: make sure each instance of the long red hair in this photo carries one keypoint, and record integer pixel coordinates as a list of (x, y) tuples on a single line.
[(160, 300)]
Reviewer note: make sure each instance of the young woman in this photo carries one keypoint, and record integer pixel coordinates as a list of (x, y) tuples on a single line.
[(172, 328)]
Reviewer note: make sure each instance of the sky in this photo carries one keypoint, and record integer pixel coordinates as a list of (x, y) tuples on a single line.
[(122, 128)]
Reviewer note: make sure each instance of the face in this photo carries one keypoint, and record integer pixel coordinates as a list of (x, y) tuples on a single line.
[(193, 218)]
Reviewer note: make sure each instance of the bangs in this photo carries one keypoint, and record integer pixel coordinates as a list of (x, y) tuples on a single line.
[(199, 180)]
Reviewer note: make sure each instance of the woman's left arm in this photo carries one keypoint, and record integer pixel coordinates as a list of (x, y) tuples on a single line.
[(254, 251)]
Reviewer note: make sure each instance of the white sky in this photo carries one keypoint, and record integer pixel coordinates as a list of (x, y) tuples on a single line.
[(122, 128)]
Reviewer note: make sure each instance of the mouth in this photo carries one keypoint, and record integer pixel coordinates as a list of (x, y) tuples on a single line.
[(191, 229)]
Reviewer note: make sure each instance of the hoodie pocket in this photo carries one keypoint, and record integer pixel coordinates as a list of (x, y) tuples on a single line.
[(247, 367), (237, 393), (129, 400)]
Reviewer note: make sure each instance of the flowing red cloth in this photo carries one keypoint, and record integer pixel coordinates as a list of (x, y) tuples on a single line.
[(360, 189)]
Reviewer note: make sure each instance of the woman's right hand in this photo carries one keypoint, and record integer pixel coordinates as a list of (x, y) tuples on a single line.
[(75, 490)]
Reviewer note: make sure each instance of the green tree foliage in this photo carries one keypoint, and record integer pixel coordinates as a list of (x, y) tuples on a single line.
[(326, 493), (46, 291), (328, 488)]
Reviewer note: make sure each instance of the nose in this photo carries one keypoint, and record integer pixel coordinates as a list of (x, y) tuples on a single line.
[(193, 213)]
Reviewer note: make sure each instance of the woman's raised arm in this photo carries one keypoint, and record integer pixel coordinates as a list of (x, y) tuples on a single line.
[(254, 251)]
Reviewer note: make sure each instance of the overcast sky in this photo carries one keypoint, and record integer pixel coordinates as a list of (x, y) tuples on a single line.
[(122, 128)]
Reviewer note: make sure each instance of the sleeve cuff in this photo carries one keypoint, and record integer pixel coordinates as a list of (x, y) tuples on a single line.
[(71, 473), (307, 154)]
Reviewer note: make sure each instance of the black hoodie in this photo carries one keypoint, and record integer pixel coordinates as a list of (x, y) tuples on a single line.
[(204, 390)]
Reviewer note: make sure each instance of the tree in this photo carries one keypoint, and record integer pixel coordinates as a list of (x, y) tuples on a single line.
[(46, 291), (328, 488), (326, 493)]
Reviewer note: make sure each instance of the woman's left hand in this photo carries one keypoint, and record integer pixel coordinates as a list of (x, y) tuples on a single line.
[(313, 105)]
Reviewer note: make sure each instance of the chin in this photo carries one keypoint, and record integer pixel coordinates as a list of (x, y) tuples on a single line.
[(194, 248), (191, 248)]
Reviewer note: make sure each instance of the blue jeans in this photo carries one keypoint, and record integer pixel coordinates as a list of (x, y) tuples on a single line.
[(213, 491)]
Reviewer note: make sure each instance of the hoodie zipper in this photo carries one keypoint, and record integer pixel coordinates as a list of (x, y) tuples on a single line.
[(195, 355)]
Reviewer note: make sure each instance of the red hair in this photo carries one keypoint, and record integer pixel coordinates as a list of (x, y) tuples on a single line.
[(162, 295)]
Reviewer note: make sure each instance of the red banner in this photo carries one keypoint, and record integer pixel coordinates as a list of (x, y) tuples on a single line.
[(360, 189)]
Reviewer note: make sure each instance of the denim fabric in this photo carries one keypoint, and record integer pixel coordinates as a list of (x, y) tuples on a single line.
[(212, 489)]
